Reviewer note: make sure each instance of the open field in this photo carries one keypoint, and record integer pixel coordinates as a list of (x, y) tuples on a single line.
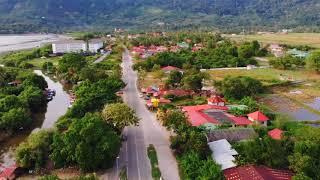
[(150, 79), (267, 76), (307, 91), (311, 39)]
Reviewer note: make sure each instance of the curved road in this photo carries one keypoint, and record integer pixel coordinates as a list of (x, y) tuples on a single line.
[(133, 153)]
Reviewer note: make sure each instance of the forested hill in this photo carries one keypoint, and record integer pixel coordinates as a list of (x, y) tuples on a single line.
[(53, 15)]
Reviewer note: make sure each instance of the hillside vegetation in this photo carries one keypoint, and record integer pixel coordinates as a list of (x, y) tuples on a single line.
[(60, 15)]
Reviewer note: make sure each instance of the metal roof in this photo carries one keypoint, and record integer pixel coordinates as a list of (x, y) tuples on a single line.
[(223, 153)]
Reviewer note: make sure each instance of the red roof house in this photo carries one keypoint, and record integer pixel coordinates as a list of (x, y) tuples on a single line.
[(216, 100), (276, 134), (203, 114), (256, 173), (8, 173), (168, 69), (258, 117)]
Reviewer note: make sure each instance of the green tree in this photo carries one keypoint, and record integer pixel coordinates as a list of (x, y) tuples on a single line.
[(34, 97), (119, 115), (156, 67), (209, 170), (190, 139), (305, 158), (246, 51), (93, 96), (15, 119), (286, 62), (174, 78), (70, 65), (193, 81), (194, 167), (48, 67), (172, 119), (92, 74), (239, 87), (313, 61), (49, 177), (35, 80), (89, 143), (33, 153), (11, 101)]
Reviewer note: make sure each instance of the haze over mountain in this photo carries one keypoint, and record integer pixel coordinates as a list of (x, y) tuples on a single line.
[(60, 15)]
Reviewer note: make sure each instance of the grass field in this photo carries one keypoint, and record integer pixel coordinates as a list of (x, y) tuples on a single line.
[(38, 61), (310, 88), (311, 39), (150, 80), (267, 76)]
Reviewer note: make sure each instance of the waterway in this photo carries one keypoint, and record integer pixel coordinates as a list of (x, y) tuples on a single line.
[(27, 41), (55, 108)]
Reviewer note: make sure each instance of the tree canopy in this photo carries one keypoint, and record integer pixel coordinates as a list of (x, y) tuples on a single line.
[(89, 142), (313, 61), (239, 87), (119, 115)]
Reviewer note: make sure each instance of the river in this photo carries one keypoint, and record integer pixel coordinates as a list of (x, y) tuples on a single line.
[(56, 108), (20, 42)]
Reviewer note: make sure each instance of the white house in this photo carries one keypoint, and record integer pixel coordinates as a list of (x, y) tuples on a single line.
[(95, 45), (68, 46)]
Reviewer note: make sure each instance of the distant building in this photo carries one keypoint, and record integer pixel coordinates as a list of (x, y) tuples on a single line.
[(95, 45), (298, 53), (183, 45), (68, 46), (168, 69), (276, 50)]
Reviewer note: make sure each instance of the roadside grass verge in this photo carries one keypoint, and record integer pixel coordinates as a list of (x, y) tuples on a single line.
[(123, 174), (152, 154)]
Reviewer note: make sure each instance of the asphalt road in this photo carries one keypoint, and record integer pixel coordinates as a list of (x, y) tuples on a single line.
[(100, 59), (133, 153)]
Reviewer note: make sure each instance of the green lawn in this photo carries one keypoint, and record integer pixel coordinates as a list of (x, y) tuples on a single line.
[(39, 61), (310, 39)]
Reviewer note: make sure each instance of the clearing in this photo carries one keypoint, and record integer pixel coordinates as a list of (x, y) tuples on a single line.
[(310, 39)]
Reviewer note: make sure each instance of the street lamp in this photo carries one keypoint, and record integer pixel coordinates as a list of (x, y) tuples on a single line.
[(117, 162)]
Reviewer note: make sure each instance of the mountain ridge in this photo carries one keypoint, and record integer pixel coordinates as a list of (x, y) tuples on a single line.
[(62, 15)]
